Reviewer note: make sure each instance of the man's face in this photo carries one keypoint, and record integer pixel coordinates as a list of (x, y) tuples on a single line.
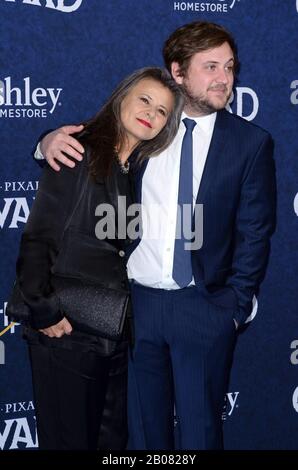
[(208, 82)]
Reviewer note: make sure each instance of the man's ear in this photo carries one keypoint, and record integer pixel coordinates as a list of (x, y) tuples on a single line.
[(176, 74)]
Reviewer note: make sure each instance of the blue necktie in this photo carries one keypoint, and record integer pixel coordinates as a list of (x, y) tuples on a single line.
[(182, 269)]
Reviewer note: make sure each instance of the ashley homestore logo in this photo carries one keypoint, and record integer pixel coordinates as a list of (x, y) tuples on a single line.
[(65, 6), (22, 99), (219, 6)]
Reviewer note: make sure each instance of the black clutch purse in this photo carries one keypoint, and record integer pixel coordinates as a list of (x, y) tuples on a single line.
[(90, 308)]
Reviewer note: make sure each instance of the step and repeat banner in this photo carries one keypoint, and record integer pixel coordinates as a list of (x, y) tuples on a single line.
[(60, 59)]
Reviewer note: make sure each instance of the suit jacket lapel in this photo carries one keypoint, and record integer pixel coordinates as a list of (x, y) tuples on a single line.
[(112, 189), (216, 149)]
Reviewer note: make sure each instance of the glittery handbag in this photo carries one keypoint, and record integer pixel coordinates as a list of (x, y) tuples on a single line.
[(92, 308)]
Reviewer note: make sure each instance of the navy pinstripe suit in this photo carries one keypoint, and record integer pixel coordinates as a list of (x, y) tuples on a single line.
[(185, 339)]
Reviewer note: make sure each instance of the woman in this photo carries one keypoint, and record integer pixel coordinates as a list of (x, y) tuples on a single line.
[(73, 370)]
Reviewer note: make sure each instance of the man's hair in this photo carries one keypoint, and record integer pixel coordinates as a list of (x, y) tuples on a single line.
[(195, 37), (104, 132)]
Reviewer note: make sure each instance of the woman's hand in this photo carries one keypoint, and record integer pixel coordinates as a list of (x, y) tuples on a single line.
[(58, 330)]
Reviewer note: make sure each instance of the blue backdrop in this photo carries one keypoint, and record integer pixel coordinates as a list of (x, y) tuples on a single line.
[(59, 60)]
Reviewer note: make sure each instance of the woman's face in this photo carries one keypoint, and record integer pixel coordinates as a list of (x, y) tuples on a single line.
[(145, 110)]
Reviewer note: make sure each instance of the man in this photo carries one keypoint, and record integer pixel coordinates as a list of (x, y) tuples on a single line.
[(188, 304)]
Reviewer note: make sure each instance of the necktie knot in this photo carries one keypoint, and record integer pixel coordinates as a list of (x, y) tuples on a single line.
[(189, 124)]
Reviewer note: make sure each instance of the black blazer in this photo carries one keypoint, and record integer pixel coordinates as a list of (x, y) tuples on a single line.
[(45, 249)]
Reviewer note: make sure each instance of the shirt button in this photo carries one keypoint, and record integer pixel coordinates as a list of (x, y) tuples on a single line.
[(121, 253)]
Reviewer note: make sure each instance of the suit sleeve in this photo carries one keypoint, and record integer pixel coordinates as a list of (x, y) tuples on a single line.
[(40, 243), (255, 223), (36, 157)]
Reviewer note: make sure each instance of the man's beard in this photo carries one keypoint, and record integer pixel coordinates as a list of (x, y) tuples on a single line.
[(200, 104)]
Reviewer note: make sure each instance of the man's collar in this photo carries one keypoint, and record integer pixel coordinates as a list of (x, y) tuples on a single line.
[(205, 123)]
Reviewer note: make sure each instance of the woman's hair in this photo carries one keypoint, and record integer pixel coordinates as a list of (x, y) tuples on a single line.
[(194, 37), (104, 132)]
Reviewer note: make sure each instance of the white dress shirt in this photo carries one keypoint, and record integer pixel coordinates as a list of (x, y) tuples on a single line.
[(151, 263)]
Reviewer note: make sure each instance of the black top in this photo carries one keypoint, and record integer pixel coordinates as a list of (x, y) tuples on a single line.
[(46, 248)]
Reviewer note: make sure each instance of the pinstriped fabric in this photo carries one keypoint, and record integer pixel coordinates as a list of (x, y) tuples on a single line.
[(183, 343)]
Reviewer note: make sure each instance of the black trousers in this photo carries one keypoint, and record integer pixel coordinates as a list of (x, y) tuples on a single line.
[(80, 397)]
